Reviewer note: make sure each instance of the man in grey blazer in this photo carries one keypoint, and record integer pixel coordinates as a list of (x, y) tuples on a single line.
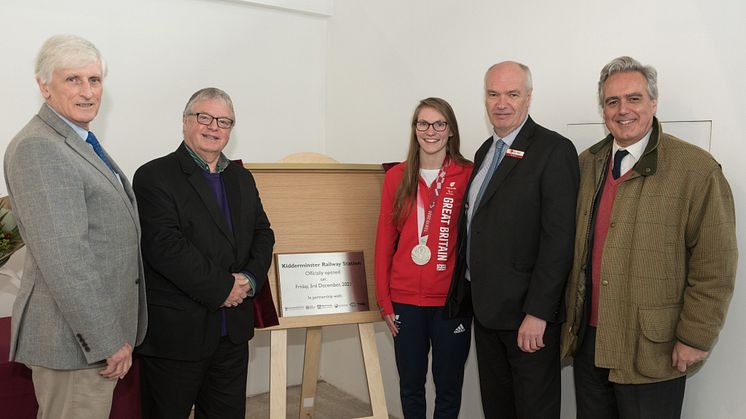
[(81, 305)]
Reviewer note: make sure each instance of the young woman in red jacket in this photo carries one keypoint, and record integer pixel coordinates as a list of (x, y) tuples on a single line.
[(415, 251)]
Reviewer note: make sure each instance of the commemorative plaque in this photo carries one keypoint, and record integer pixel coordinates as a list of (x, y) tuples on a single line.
[(321, 283)]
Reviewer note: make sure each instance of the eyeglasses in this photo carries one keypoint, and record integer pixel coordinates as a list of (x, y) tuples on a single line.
[(439, 126), (206, 119)]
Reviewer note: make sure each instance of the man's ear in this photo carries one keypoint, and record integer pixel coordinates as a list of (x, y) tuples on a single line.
[(43, 88)]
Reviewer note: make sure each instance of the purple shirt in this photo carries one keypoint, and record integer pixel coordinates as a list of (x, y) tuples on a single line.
[(215, 181)]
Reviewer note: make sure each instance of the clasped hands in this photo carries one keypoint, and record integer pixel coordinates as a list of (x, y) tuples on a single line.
[(239, 292)]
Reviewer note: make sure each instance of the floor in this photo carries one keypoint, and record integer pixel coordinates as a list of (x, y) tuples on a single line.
[(331, 403)]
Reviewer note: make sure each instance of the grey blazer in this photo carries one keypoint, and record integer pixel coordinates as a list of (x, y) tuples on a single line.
[(82, 293)]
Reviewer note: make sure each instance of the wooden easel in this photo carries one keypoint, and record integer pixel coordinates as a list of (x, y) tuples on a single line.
[(278, 362), (325, 207)]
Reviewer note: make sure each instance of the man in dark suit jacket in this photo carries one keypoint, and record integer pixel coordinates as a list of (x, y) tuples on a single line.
[(207, 246), (515, 251)]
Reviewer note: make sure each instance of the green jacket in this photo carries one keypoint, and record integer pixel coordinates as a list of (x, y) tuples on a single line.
[(669, 260)]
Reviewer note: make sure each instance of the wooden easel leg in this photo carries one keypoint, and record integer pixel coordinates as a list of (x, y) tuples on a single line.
[(310, 373), (373, 371), (278, 377)]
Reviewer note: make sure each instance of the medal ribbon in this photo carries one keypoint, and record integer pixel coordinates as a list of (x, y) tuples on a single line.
[(434, 193)]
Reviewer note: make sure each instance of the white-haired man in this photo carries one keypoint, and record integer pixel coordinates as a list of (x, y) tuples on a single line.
[(81, 305)]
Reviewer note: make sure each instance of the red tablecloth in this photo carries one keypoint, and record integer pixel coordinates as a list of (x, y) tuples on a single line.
[(17, 400)]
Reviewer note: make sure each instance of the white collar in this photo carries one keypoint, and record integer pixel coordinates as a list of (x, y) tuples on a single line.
[(637, 149)]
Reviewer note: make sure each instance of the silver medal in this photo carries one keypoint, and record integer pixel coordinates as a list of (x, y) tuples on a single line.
[(421, 254)]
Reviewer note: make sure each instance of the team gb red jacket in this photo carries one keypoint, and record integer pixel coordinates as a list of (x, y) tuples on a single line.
[(398, 278)]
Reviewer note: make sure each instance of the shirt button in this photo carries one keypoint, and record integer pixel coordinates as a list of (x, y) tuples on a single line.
[(612, 225), (605, 282)]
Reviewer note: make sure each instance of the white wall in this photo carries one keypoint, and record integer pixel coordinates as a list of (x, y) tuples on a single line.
[(386, 55), (346, 86), (271, 62)]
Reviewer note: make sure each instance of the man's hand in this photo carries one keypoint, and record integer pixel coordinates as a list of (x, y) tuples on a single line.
[(391, 323), (531, 334), (684, 355), (118, 364), (241, 289)]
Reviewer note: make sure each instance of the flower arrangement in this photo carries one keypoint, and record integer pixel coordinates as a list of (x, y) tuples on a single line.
[(10, 238)]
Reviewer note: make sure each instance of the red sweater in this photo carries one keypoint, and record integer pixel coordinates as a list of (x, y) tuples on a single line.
[(600, 230), (398, 278)]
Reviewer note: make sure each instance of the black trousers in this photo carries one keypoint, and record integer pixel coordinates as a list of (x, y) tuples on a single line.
[(216, 385), (419, 329), (517, 384), (597, 397)]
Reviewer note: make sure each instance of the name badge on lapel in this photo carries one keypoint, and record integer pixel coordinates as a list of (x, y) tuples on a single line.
[(516, 154)]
